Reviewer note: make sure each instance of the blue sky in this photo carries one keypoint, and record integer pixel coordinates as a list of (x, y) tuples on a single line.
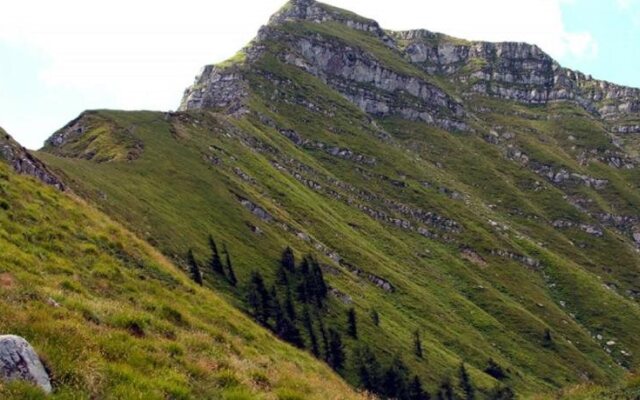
[(73, 55), (616, 30)]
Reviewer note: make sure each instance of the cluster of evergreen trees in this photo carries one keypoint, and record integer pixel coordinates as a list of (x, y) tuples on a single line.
[(294, 308), (393, 381), (214, 263)]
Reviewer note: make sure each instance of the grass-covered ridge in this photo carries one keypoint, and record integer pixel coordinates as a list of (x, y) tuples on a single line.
[(113, 319), (510, 243)]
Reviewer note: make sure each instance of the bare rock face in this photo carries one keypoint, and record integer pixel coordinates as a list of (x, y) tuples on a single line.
[(24, 163), (216, 87), (18, 361), (312, 11), (517, 71)]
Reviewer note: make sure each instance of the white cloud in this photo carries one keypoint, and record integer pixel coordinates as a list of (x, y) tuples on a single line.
[(134, 54)]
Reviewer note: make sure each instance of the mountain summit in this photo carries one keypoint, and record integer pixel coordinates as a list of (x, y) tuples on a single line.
[(421, 213), (512, 71)]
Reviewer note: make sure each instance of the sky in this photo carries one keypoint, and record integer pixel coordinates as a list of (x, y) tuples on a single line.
[(59, 58)]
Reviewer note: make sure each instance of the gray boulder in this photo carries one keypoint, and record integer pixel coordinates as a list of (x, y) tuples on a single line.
[(18, 360)]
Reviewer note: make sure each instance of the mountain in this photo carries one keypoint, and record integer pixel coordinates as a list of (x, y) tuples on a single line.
[(113, 319), (477, 197)]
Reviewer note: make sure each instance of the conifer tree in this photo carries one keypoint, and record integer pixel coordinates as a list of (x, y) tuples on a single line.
[(284, 327), (547, 339), (194, 269), (288, 261), (375, 317), (368, 369), (465, 383), (501, 393), (289, 307), (215, 263), (308, 325), (416, 391), (352, 328), (445, 391), (495, 370), (231, 275), (303, 284), (335, 353), (281, 276), (259, 299), (417, 344), (316, 286), (324, 337), (394, 380)]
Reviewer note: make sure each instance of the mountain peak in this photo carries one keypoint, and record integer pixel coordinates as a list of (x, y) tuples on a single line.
[(338, 45)]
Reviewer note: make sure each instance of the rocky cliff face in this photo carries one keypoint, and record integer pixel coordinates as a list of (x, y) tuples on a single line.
[(515, 71), (25, 163), (512, 71)]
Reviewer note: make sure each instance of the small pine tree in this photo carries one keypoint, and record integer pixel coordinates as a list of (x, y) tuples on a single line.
[(231, 275), (368, 368), (335, 353), (324, 337), (501, 393), (547, 339), (285, 328), (445, 391), (303, 283), (495, 370), (259, 299), (215, 263), (417, 344), (465, 383), (316, 286), (375, 317), (308, 325), (394, 380), (352, 326), (281, 276), (194, 269), (288, 260), (289, 307), (415, 390)]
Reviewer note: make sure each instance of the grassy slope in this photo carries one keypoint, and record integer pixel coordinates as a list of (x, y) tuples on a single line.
[(129, 324), (174, 196)]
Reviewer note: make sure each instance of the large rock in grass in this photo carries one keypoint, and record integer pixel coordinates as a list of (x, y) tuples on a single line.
[(18, 361)]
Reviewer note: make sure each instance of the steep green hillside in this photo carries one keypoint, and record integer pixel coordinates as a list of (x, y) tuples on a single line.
[(478, 194), (113, 319)]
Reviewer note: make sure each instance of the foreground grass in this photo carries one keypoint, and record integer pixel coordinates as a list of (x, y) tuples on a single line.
[(113, 319)]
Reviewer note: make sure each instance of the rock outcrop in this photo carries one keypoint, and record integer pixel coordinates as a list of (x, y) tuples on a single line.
[(19, 361), (516, 71), (24, 163), (218, 88)]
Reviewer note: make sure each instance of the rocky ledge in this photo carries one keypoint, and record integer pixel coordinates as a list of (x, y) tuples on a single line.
[(24, 163), (515, 71)]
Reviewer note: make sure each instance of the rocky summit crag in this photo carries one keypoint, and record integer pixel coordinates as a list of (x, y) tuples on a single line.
[(467, 202)]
